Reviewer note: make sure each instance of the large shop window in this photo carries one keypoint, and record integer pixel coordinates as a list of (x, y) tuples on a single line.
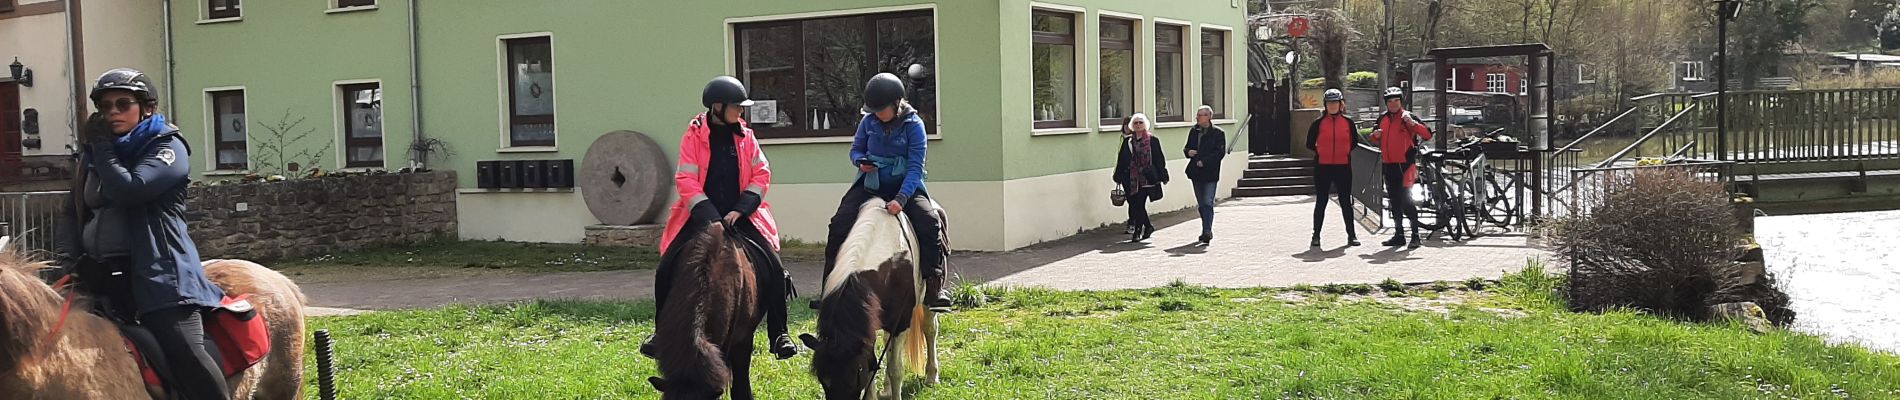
[(806, 77)]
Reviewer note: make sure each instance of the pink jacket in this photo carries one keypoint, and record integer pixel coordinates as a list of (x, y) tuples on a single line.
[(690, 176)]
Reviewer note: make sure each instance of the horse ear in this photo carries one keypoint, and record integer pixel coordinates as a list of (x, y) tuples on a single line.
[(810, 341), (658, 384), (4, 241)]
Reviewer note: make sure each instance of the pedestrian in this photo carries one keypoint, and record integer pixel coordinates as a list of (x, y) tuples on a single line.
[(1333, 137), (1397, 134), (1141, 169), (1206, 147)]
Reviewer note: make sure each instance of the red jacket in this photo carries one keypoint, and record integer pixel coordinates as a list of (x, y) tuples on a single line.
[(1333, 137), (1393, 151), (690, 179)]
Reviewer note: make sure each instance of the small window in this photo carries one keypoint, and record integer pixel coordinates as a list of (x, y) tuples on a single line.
[(229, 131), (1494, 83), (806, 76), (1120, 68), (362, 125), (355, 3), (1053, 37), (1451, 81), (1523, 86), (1214, 77), (1583, 75), (221, 9), (1692, 71), (1170, 86), (530, 68)]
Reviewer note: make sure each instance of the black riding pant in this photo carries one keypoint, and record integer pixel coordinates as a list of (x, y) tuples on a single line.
[(181, 336), (917, 209), (1399, 198), (1326, 180)]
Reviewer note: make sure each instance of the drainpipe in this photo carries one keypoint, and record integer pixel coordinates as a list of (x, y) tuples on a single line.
[(171, 64), (78, 77), (415, 93)]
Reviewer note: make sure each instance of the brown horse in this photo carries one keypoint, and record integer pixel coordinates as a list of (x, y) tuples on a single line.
[(876, 285), (704, 338), (88, 359)]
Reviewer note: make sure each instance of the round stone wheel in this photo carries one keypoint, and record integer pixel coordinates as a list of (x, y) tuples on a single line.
[(626, 179)]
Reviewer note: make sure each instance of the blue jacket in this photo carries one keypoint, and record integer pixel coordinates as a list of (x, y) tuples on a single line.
[(897, 148), (149, 192)]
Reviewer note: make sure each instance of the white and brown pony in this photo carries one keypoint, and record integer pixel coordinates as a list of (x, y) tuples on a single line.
[(704, 339), (876, 285), (86, 356)]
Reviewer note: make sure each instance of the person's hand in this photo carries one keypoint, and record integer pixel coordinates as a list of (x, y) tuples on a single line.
[(895, 207), (98, 129), (1193, 153), (732, 218), (1200, 164), (867, 168)]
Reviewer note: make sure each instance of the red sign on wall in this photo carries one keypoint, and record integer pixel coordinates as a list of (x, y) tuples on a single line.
[(1297, 27)]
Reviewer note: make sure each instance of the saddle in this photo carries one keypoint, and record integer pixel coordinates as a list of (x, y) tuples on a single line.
[(238, 330)]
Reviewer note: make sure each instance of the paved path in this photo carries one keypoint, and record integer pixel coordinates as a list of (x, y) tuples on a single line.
[(1258, 242)]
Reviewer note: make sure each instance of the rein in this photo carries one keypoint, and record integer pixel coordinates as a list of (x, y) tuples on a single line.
[(65, 310)]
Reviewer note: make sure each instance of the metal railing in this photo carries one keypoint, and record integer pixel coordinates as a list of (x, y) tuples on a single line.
[(1591, 184), (29, 218), (1808, 125)]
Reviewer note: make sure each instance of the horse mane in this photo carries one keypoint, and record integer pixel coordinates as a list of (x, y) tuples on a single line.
[(28, 307), (874, 237), (848, 322), (690, 362)]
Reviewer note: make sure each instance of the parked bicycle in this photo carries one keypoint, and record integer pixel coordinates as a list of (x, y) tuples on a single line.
[(1458, 190)]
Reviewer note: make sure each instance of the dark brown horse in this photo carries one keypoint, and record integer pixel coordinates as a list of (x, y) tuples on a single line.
[(86, 357), (704, 337), (876, 286)]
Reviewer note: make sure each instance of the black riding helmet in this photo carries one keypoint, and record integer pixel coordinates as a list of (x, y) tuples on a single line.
[(126, 79), (725, 90), (882, 91)]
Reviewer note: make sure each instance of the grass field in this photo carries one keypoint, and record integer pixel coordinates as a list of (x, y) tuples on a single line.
[(1176, 342)]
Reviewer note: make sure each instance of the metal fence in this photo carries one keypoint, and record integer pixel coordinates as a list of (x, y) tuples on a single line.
[(28, 217), (1590, 185)]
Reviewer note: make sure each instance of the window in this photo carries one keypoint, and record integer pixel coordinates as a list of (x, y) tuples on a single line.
[(1053, 37), (530, 91), (1494, 83), (362, 108), (227, 115), (1523, 85), (1170, 91), (1583, 75), (1692, 71), (807, 77), (220, 9), (1214, 71), (1119, 70), (1451, 81), (355, 3)]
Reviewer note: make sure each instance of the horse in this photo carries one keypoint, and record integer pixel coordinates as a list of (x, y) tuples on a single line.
[(704, 339), (876, 285), (86, 357)]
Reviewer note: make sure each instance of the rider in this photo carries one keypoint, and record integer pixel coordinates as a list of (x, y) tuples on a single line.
[(1398, 155), (124, 229), (722, 178), (888, 153), (1333, 137)]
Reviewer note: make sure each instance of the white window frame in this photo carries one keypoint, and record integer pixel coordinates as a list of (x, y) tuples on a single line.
[(204, 13), (1187, 90), (1700, 73), (335, 8), (936, 21), (1231, 107), (1581, 77), (1499, 86), (1523, 85), (502, 99), (211, 135), (1451, 80), (342, 131), (1141, 71), (1085, 50)]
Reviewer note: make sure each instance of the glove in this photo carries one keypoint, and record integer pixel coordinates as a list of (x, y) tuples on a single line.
[(705, 212), (98, 130)]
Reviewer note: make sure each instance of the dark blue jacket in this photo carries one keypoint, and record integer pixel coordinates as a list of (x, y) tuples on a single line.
[(902, 143), (149, 192)]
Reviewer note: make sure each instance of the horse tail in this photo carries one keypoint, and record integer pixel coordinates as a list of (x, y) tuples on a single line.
[(686, 357), (913, 340)]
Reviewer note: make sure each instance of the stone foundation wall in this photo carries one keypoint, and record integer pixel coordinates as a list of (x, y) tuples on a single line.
[(307, 217)]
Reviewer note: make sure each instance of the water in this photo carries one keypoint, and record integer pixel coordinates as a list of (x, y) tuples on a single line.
[(1841, 271)]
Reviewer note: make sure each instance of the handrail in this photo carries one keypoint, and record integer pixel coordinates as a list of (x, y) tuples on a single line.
[(1593, 132), (1239, 133), (1652, 133)]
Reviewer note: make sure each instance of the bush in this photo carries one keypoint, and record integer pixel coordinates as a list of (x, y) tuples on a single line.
[(1654, 239), (1363, 79)]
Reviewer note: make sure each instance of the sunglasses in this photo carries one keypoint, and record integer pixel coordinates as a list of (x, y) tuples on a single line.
[(120, 106)]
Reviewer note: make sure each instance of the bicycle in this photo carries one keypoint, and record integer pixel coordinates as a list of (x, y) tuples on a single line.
[(1459, 190)]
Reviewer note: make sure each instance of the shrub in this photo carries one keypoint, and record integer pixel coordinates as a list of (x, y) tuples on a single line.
[(1391, 285), (1363, 79)]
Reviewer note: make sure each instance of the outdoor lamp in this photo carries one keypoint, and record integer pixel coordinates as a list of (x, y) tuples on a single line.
[(20, 73), (1730, 9)]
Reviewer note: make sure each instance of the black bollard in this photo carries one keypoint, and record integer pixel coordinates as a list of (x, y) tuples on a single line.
[(326, 374)]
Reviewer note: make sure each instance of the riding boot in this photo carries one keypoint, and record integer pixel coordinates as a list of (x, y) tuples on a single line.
[(935, 296)]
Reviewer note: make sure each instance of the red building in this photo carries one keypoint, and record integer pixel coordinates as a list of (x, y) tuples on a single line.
[(1488, 78)]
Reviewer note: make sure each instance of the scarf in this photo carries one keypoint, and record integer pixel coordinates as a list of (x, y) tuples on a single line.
[(1141, 147), (128, 145)]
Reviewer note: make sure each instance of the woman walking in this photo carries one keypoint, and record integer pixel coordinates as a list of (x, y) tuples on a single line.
[(1141, 169)]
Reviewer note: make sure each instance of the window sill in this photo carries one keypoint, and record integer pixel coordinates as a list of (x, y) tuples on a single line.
[(1225, 121), (489, 191), (349, 9), (1169, 125), (824, 140), (1692, 80), (219, 20), (529, 149), (361, 169), (1059, 131)]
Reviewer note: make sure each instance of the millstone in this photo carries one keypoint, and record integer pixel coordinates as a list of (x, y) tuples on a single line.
[(626, 179)]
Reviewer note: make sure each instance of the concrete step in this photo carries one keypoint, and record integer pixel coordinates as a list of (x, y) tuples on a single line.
[(1277, 181), (1274, 191), (1279, 172), (1279, 163)]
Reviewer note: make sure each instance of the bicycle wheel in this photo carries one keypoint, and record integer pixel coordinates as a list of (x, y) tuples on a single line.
[(1460, 200), (1501, 207), (1428, 197)]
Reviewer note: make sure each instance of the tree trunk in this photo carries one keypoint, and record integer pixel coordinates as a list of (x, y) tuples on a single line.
[(1385, 49)]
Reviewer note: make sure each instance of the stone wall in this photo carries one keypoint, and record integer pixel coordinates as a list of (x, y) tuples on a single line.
[(307, 217)]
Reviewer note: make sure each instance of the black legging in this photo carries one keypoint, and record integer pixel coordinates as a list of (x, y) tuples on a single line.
[(773, 280), (1400, 199), (1138, 209), (180, 332), (1328, 179), (917, 211)]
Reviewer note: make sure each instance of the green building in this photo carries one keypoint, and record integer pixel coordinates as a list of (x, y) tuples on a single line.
[(1024, 99)]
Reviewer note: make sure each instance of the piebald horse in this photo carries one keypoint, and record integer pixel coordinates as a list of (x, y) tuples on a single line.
[(876, 285), (86, 356)]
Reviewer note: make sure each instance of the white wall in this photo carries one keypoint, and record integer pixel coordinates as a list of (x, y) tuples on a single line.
[(1057, 206), (40, 44)]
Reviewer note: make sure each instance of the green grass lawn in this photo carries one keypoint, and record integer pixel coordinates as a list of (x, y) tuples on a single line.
[(1176, 342), (446, 258)]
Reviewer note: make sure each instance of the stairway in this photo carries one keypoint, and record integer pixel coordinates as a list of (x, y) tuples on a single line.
[(1276, 175)]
